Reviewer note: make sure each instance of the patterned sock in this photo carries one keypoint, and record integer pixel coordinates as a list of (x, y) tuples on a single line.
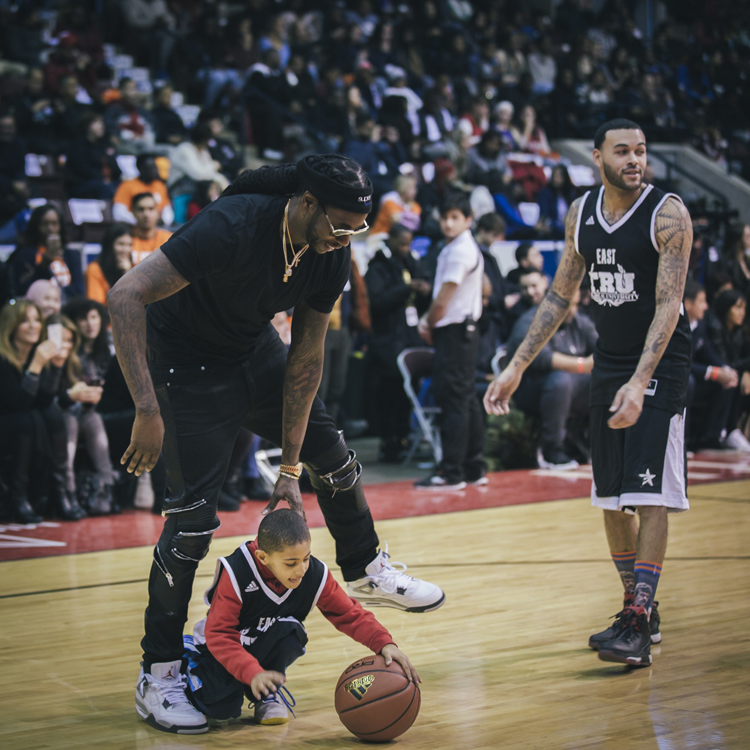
[(646, 580), (624, 562)]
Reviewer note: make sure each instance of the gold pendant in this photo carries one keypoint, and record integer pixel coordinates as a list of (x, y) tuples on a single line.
[(287, 274)]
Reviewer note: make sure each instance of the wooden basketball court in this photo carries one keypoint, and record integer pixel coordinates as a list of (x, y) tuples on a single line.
[(504, 662)]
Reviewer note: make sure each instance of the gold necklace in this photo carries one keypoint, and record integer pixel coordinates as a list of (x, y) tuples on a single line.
[(295, 256)]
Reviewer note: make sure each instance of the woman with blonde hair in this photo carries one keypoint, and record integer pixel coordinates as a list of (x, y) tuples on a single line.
[(30, 374), (77, 400), (399, 207)]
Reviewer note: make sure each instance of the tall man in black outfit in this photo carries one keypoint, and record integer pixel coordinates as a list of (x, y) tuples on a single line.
[(203, 360), (634, 241)]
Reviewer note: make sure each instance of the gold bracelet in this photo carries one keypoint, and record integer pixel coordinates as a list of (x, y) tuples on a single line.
[(293, 471)]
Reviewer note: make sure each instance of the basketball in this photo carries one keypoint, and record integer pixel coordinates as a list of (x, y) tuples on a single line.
[(376, 702)]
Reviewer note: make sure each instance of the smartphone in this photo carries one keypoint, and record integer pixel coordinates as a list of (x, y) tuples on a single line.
[(55, 334)]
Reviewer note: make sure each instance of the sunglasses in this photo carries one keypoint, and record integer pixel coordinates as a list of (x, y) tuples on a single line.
[(344, 232)]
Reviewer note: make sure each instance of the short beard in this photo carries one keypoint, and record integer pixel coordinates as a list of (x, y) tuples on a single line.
[(617, 181), (310, 237)]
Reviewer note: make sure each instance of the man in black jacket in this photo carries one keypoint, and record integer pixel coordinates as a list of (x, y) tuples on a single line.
[(396, 301), (712, 381), (556, 385)]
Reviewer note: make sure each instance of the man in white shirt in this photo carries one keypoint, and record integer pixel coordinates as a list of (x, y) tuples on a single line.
[(451, 326)]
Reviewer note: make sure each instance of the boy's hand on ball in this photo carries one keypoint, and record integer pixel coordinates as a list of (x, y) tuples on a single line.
[(265, 683), (391, 652)]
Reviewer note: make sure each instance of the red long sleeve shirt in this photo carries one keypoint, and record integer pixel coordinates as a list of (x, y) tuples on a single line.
[(223, 636)]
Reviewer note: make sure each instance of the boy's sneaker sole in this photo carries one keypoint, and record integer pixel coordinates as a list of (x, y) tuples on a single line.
[(371, 601)]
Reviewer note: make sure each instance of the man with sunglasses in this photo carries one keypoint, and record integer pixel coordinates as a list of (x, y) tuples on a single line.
[(203, 360)]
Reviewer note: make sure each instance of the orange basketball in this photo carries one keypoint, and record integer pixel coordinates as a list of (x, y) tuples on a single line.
[(374, 702)]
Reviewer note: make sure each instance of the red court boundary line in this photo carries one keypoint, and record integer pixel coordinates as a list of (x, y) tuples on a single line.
[(387, 501)]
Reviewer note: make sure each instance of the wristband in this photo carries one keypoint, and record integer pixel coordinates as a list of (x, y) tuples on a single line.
[(580, 364), (714, 373), (291, 471)]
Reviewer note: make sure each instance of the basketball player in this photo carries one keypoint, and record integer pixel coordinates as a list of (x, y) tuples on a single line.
[(634, 241), (278, 238)]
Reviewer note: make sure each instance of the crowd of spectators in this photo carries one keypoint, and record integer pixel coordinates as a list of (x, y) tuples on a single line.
[(431, 97)]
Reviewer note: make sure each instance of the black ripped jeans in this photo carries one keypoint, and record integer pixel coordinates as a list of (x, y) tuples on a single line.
[(203, 407)]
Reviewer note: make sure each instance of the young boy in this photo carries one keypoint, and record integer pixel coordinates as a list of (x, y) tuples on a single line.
[(451, 326), (259, 598)]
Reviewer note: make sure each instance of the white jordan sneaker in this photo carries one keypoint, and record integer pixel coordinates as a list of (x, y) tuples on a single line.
[(386, 585), (160, 700)]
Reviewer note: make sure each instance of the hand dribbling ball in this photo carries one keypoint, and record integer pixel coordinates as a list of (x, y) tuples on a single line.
[(376, 702)]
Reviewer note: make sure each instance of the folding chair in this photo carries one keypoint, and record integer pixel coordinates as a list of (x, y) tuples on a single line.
[(499, 360), (415, 364)]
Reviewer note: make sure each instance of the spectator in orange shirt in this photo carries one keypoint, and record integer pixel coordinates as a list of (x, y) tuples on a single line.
[(115, 259), (399, 207), (148, 181), (146, 236)]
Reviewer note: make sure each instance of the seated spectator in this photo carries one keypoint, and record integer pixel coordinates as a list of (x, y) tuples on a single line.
[(435, 125), (115, 260), (399, 207), (737, 257), (192, 163), (533, 285), (148, 181), (80, 391), (396, 299), (147, 237), (35, 112), (222, 150), (128, 123), (476, 121), (543, 67), (726, 334), (150, 28), (367, 149), (713, 384), (168, 125), (32, 432), (43, 254), (14, 188), (529, 258), (267, 81), (91, 169), (503, 122), (556, 385), (490, 229), (529, 135), (554, 201), (206, 192), (486, 164), (68, 113), (46, 295)]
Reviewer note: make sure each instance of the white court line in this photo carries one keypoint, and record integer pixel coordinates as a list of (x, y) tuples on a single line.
[(720, 465)]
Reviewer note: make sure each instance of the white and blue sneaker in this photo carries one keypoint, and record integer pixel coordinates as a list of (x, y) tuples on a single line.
[(275, 708)]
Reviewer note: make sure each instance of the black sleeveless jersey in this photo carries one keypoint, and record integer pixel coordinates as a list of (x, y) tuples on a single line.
[(622, 262), (261, 606)]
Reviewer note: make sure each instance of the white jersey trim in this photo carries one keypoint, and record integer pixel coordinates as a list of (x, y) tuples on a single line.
[(232, 578), (614, 227), (259, 578), (653, 217), (321, 587), (578, 220)]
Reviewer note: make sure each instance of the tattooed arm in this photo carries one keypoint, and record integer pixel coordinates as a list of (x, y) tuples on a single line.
[(304, 368), (153, 279), (547, 320), (674, 237)]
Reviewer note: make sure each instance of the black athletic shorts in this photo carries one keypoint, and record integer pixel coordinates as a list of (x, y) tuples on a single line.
[(640, 465)]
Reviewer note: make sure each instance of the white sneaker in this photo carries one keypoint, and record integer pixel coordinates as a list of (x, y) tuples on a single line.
[(275, 708), (736, 441), (386, 585), (161, 701), (144, 492)]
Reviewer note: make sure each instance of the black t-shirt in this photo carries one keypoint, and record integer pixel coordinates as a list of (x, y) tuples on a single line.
[(231, 253)]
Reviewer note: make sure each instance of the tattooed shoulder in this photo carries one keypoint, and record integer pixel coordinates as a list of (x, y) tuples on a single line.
[(673, 228), (572, 216)]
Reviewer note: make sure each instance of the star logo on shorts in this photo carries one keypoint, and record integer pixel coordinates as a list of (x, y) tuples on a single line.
[(648, 478)]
